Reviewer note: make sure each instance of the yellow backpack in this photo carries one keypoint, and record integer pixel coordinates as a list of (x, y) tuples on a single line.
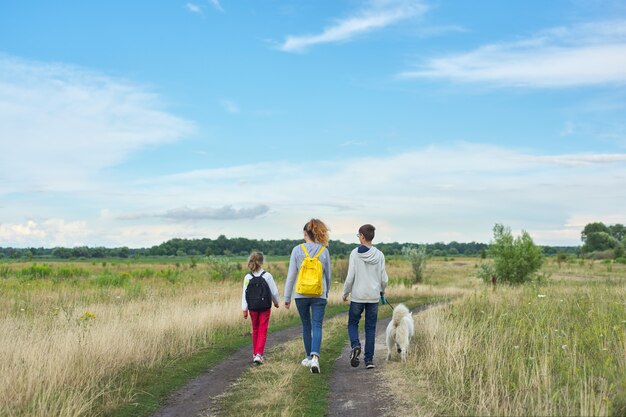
[(310, 275)]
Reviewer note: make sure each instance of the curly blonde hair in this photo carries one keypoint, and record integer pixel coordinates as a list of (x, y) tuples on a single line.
[(317, 231)]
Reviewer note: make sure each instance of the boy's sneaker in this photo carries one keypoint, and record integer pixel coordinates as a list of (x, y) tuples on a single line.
[(354, 356), (369, 365), (258, 359), (306, 362), (315, 365)]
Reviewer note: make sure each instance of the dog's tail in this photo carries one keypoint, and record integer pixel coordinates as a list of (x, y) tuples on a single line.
[(399, 313)]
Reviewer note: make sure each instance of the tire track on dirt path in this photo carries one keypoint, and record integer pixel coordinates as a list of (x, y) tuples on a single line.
[(358, 391), (200, 396)]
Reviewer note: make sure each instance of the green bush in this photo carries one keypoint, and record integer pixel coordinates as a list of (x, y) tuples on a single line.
[(36, 272), (144, 273), (517, 259), (5, 271), (171, 275), (71, 272), (222, 268), (486, 272), (417, 258), (109, 279)]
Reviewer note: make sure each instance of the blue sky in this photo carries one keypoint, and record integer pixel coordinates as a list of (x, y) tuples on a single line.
[(130, 123)]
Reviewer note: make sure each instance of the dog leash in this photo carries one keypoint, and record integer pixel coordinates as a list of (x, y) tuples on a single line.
[(384, 301)]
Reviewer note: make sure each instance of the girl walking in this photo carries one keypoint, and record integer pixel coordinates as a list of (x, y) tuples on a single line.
[(311, 297), (259, 292)]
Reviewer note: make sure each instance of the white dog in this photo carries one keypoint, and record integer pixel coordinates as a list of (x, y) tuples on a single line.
[(399, 331)]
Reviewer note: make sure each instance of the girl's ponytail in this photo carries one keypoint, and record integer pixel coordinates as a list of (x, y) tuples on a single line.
[(317, 231), (255, 261)]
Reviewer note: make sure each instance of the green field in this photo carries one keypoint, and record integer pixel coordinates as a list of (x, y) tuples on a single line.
[(114, 337)]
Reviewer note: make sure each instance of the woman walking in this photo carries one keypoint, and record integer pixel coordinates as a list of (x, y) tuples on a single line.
[(309, 272)]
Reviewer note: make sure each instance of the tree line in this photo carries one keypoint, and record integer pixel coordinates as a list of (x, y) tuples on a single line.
[(223, 246)]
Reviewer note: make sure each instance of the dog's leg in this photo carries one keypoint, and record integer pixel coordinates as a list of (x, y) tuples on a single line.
[(398, 348)]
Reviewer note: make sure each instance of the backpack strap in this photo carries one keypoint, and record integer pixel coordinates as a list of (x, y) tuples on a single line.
[(307, 253), (320, 252)]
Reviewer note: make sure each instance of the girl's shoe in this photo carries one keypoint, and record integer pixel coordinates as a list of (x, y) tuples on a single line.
[(306, 362), (315, 365), (258, 359)]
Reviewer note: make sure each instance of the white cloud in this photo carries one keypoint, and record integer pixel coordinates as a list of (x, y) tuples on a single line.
[(432, 194), (577, 160), (50, 232), (194, 8), (377, 15), (60, 125), (587, 54), (435, 193), (216, 4)]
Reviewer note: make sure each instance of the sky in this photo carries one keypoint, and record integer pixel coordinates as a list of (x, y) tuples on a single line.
[(131, 123)]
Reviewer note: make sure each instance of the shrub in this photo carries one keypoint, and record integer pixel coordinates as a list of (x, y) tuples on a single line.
[(603, 254), (108, 279), (417, 258), (515, 259), (222, 268), (144, 273), (5, 271), (560, 258), (486, 272), (71, 272), (36, 271), (171, 275)]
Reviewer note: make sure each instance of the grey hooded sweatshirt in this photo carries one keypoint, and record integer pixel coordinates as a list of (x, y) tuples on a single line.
[(366, 277)]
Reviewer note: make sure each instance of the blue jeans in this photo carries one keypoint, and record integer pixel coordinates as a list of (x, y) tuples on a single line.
[(371, 316), (311, 312)]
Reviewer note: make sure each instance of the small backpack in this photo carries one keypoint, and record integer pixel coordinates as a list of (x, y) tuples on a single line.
[(258, 294), (310, 275)]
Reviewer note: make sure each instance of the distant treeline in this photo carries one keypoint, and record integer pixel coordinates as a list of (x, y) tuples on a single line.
[(223, 246)]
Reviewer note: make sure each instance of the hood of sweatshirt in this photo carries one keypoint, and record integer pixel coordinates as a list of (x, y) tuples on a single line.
[(372, 256)]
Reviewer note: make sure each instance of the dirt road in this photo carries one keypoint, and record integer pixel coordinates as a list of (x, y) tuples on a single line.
[(359, 391), (353, 391)]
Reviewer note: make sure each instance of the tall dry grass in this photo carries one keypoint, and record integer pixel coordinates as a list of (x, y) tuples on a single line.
[(71, 346), (552, 350), (69, 362)]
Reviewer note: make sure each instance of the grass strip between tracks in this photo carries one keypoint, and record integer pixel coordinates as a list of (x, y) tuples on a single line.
[(283, 387)]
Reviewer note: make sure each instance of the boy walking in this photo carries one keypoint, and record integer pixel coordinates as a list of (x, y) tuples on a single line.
[(365, 282)]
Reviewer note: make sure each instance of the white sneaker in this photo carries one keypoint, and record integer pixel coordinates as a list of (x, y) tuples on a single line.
[(315, 365), (258, 359), (306, 362)]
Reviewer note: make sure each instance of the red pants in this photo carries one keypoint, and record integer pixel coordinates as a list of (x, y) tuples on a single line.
[(260, 321)]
